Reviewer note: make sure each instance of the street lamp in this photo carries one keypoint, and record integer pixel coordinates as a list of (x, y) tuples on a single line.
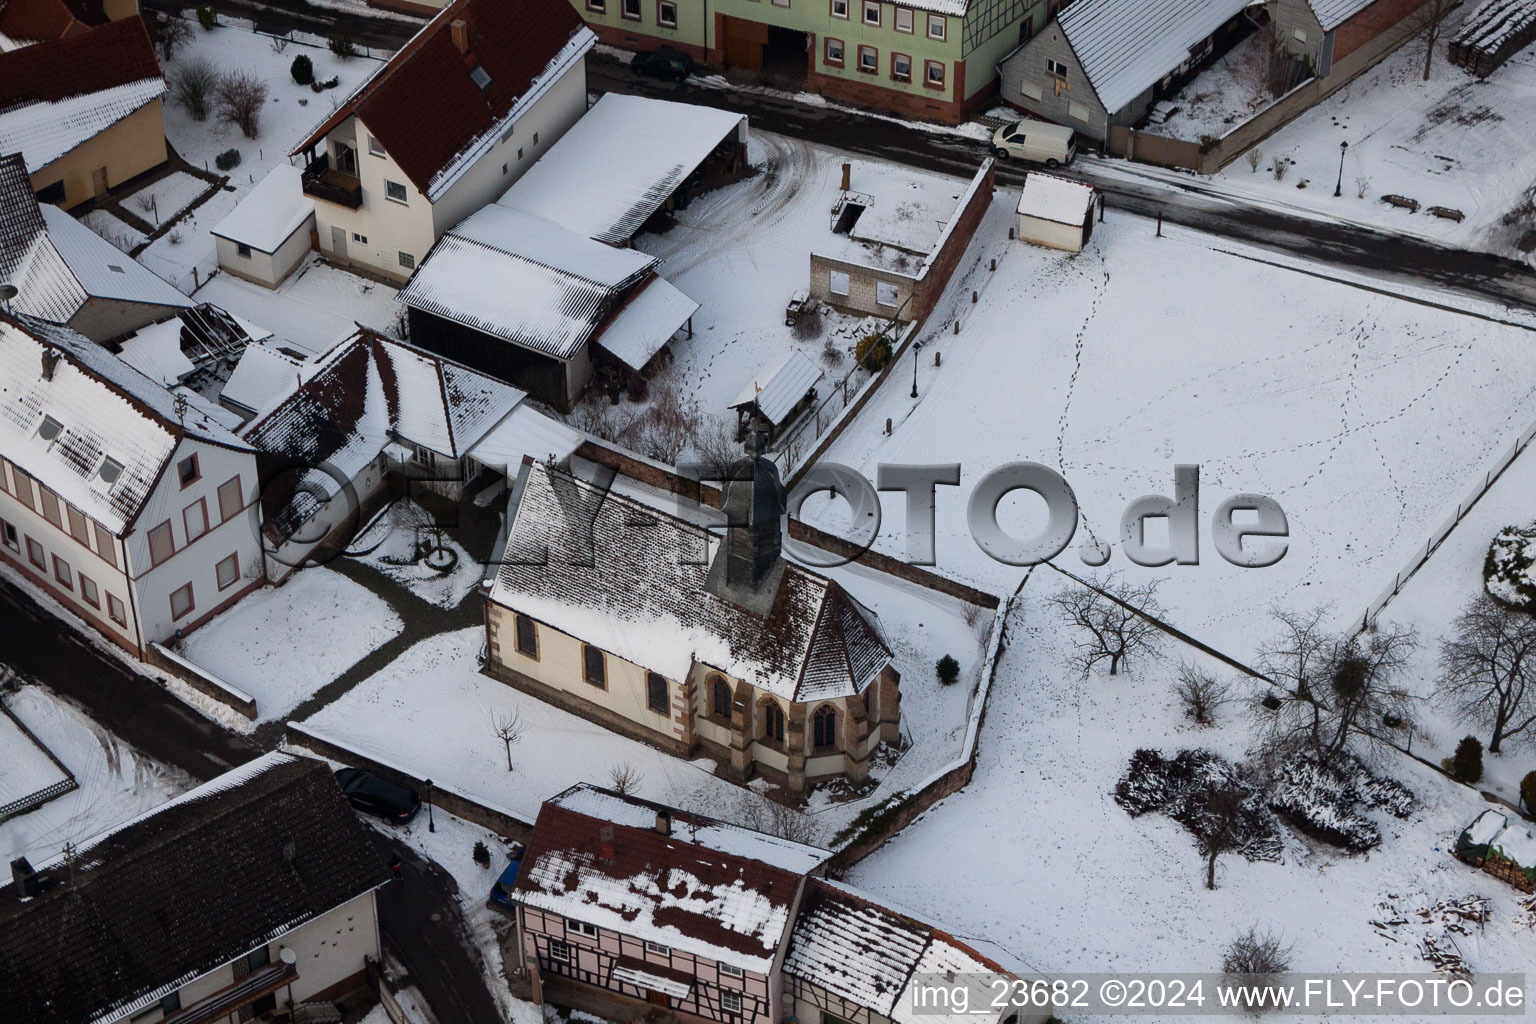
[(431, 825), (1338, 190), (915, 347)]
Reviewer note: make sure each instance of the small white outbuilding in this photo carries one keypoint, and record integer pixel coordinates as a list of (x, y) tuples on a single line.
[(1057, 212), (268, 234)]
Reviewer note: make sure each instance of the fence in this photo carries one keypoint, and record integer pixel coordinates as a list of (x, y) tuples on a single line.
[(1147, 148), (33, 800), (794, 443), (1421, 555)]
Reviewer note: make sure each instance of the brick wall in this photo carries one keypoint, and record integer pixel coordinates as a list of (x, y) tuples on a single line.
[(957, 237), (1379, 17)]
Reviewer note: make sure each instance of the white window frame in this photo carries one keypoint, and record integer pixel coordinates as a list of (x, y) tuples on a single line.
[(730, 971), (870, 5), (943, 27), (874, 65), (374, 146), (1055, 67), (582, 928), (626, 5), (903, 14), (560, 951), (404, 198), (727, 998), (657, 947), (928, 68), (896, 72), (661, 6), (835, 4), (842, 54)]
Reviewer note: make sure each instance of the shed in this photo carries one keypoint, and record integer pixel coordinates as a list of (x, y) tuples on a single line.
[(268, 234), (778, 394), (1057, 212)]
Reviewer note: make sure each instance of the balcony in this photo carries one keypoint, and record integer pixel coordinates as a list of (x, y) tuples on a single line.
[(225, 1002), (323, 182)]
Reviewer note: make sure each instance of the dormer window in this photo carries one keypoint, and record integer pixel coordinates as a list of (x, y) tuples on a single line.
[(480, 77), (49, 429), (110, 470)]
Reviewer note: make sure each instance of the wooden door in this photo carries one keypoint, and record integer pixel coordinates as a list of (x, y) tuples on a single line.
[(658, 999), (99, 185), (744, 42)]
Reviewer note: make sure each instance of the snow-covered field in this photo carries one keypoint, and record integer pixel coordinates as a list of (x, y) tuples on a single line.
[(390, 544), (116, 782), (1365, 416), (281, 644), (164, 199), (26, 768), (1036, 855)]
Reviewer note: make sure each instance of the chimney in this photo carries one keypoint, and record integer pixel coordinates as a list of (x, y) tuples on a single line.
[(51, 358), (754, 508), (847, 176), (24, 878), (664, 822), (458, 30)]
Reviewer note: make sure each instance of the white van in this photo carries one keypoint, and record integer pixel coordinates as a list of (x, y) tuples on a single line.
[(1037, 141)]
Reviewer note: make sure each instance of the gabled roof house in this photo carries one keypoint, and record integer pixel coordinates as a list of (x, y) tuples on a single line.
[(442, 128)]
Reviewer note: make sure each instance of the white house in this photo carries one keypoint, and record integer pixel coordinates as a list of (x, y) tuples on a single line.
[(253, 892), (132, 508), (442, 128)]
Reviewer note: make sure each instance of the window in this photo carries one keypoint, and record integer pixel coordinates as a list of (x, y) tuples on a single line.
[(52, 193), (933, 72), (104, 546), (256, 959), (36, 555), (535, 138), (1077, 111), (23, 490), (1300, 34), (110, 470), (78, 527), (187, 471), (374, 147), (480, 77), (49, 429), (730, 1002), (229, 498), (394, 192), (600, 6), (560, 952), (869, 60), (227, 571), (181, 601), (170, 1004), (658, 695), (666, 14), (837, 282), (938, 26), (527, 636), (824, 727), (61, 572), (773, 722), (871, 12), (359, 239), (195, 519), (720, 698), (630, 9), (835, 51), (50, 502), (89, 592), (886, 293), (594, 667), (115, 610), (408, 261), (656, 947), (901, 67), (1056, 67), (581, 928), (11, 538), (839, 8), (729, 971), (242, 249), (162, 544), (1030, 90), (903, 19)]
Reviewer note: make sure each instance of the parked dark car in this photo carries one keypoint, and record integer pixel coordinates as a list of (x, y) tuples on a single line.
[(663, 63), (501, 890), (379, 797)]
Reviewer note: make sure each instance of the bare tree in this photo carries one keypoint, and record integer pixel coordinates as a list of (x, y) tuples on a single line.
[(717, 449), (1334, 688), (667, 428), (625, 778), (1113, 622), (193, 84), (1255, 157), (507, 727), (1252, 962), (1488, 669), (1218, 824), (241, 97), (776, 819), (1200, 694), (1427, 22), (169, 34)]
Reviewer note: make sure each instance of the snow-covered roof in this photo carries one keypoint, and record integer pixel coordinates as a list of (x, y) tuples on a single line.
[(44, 130), (1517, 843), (616, 166), (1125, 48), (604, 862), (1056, 199), (526, 432), (646, 322), (104, 409), (1490, 26), (781, 386), (649, 603), (263, 374), (1333, 13), (155, 351), (1487, 825), (525, 280), (270, 212), (948, 957), (103, 270)]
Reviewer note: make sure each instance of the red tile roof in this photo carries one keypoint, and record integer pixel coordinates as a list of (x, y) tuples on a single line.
[(422, 105), (35, 20), (114, 54)]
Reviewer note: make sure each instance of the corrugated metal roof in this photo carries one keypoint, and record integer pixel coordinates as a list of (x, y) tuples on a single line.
[(647, 321), (1056, 199), (615, 167), (1333, 13), (103, 270), (780, 387), (1125, 48)]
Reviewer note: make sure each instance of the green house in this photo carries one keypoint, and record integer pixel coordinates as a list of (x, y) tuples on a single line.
[(930, 59)]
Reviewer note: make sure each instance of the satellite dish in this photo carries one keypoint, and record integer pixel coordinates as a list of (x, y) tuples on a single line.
[(288, 956), (7, 292)]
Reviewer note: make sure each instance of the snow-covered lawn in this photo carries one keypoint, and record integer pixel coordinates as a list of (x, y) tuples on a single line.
[(315, 308), (289, 114), (115, 230), (1453, 141), (26, 768), (1365, 416), (281, 644), (116, 782), (443, 730), (159, 202), (390, 545), (1221, 97), (1036, 855)]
